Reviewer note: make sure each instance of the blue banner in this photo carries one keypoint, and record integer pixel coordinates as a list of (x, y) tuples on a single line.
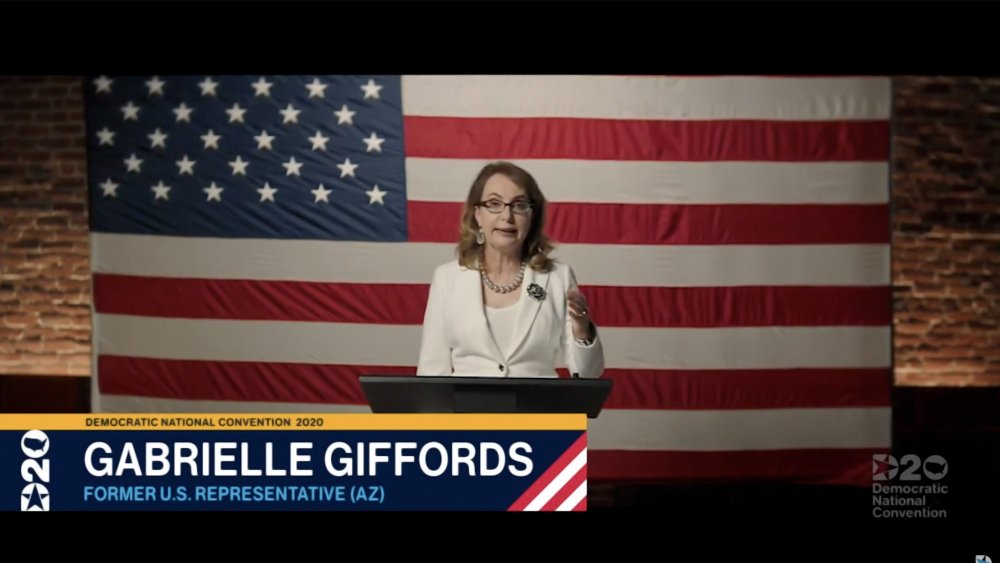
[(397, 462)]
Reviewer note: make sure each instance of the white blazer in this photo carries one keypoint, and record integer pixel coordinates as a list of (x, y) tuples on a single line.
[(457, 339)]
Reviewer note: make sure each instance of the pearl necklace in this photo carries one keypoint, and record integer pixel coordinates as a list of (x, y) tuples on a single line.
[(503, 288)]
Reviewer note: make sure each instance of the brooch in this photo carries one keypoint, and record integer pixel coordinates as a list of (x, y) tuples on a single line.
[(536, 291)]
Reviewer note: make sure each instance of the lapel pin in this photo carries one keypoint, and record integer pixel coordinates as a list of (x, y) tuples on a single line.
[(536, 291)]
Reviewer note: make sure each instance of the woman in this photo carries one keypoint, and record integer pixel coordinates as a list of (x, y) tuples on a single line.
[(505, 308)]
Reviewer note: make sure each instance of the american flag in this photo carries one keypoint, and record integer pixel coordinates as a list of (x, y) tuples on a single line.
[(259, 242)]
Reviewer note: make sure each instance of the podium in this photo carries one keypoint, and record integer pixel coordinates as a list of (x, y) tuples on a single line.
[(422, 394)]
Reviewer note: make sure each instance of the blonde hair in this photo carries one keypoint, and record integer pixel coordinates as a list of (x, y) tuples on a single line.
[(536, 247)]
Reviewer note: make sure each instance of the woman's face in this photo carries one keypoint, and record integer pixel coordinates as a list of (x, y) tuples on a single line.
[(505, 231)]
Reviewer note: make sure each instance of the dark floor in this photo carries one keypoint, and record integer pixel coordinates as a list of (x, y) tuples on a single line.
[(960, 424)]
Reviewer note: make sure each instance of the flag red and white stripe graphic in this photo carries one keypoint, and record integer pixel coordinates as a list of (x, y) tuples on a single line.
[(562, 487), (731, 233)]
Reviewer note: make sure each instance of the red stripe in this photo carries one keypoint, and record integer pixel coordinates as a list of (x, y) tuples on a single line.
[(237, 381), (582, 507), (404, 303), (704, 307), (569, 488), (260, 300), (619, 139), (614, 223), (533, 491), (748, 389), (826, 466)]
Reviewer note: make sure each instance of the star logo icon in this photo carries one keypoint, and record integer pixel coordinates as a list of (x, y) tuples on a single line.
[(884, 467), (34, 498)]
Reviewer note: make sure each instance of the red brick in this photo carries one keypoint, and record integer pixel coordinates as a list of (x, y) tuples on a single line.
[(79, 358), (912, 328), (34, 347), (960, 291), (20, 321), (954, 353), (986, 380), (902, 340), (38, 333), (56, 321), (10, 359), (61, 346)]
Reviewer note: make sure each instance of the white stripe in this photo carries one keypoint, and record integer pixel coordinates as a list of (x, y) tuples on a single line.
[(130, 403), (259, 341), (557, 483), (575, 498), (745, 348), (728, 265), (616, 97), (766, 429), (398, 345), (610, 181), (267, 259), (772, 347), (358, 262)]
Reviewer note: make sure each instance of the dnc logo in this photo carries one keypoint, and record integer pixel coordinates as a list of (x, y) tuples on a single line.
[(886, 467), (35, 470)]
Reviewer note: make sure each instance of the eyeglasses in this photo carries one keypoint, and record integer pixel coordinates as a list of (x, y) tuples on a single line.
[(496, 206)]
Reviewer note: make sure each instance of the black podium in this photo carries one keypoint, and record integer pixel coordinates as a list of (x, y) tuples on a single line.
[(413, 394)]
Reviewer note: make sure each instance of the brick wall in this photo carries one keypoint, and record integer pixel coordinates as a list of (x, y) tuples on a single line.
[(946, 223), (44, 256), (946, 230)]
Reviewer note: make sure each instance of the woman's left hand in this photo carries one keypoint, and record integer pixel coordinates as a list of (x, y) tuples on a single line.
[(579, 312)]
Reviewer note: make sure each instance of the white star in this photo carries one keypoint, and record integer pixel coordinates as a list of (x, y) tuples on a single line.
[(208, 86), (292, 167), (186, 165), (374, 143), (133, 163), (109, 188), (155, 85), (347, 169), (214, 192), (103, 84), (344, 115), (158, 139), (376, 195), (161, 191), (267, 193), (321, 193), (183, 113), (236, 113), (319, 141), (239, 166), (131, 111), (316, 88), (290, 114), (262, 87), (371, 89), (264, 140), (211, 139), (107, 137)]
